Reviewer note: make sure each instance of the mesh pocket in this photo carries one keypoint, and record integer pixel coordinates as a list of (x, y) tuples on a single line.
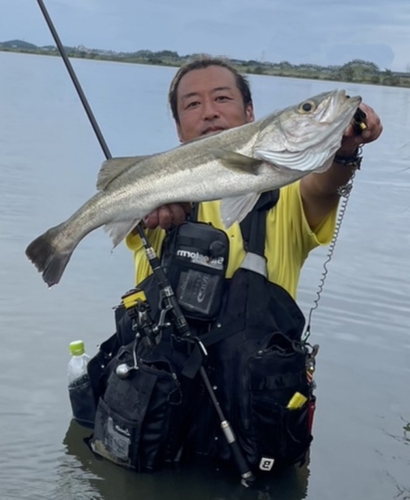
[(83, 402)]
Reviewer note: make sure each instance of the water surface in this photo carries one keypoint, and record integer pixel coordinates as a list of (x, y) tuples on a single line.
[(49, 162)]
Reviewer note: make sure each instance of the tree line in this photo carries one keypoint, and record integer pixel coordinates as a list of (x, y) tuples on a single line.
[(357, 70)]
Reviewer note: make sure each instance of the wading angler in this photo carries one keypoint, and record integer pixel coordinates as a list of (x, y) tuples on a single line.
[(208, 358)]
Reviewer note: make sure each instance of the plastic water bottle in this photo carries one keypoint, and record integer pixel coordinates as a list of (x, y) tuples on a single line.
[(77, 367), (79, 385)]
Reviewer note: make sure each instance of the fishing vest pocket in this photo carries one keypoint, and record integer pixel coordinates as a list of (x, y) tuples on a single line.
[(133, 423), (195, 258), (83, 402), (281, 404), (283, 437)]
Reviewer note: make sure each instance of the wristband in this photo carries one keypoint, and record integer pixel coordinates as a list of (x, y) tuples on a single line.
[(353, 160)]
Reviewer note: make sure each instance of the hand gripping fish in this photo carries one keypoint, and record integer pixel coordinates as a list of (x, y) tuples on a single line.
[(234, 166)]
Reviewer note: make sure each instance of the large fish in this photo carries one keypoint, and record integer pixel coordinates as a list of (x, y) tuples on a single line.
[(235, 165)]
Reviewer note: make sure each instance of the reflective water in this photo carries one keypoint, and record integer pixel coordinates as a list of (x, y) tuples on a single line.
[(49, 159)]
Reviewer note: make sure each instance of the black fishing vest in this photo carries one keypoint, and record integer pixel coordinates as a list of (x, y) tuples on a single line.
[(256, 361)]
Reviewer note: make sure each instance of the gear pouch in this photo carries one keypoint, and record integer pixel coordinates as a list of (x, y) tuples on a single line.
[(135, 418), (195, 258)]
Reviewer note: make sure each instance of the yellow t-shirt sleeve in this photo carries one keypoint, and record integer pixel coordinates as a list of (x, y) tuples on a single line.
[(323, 234), (134, 243), (292, 212), (290, 238)]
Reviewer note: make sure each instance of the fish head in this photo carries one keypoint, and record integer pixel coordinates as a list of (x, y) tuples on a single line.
[(302, 135)]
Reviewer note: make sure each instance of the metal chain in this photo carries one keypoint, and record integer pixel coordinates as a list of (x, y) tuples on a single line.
[(344, 192)]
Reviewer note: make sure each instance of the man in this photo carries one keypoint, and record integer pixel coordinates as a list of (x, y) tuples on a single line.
[(257, 361), (206, 96)]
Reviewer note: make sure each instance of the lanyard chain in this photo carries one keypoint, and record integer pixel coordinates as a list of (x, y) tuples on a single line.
[(344, 192)]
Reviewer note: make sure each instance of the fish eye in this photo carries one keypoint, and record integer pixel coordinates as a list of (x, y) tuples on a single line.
[(307, 107)]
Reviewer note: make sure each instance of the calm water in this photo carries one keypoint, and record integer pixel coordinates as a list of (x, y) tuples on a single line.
[(49, 159)]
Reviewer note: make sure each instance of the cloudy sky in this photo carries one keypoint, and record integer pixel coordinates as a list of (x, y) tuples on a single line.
[(299, 31)]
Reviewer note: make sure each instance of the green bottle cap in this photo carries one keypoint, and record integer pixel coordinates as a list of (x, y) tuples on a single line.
[(77, 348)]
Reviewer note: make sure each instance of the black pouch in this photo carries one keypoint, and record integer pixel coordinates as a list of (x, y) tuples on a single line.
[(280, 434), (83, 402), (195, 258), (136, 424), (259, 364)]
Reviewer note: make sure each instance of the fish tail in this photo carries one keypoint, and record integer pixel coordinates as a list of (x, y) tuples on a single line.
[(48, 257)]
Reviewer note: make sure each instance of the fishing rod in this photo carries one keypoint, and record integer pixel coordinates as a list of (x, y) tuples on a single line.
[(163, 282)]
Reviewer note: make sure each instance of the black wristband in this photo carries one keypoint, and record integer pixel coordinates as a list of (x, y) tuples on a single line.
[(353, 160)]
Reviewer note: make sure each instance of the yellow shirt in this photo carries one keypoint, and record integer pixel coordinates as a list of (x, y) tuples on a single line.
[(289, 239)]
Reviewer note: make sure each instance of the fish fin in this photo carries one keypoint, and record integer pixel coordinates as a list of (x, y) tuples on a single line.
[(117, 231), (237, 161), (236, 208), (112, 168), (44, 254), (304, 161)]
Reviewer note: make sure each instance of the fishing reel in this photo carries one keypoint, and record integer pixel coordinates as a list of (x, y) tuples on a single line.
[(148, 333), (139, 311), (123, 370)]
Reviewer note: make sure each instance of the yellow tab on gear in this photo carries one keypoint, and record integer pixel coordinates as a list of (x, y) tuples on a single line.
[(297, 401), (131, 298)]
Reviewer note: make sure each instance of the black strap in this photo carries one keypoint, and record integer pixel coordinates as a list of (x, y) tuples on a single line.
[(193, 216), (215, 335), (253, 227)]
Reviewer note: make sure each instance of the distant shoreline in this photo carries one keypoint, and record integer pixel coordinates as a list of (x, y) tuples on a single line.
[(356, 71)]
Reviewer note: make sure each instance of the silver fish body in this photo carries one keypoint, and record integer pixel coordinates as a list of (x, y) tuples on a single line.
[(235, 165)]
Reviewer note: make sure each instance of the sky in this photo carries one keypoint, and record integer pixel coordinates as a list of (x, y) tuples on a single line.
[(324, 32)]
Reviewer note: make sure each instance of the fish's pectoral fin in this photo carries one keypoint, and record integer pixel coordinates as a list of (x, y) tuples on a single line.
[(112, 168), (236, 208), (237, 161), (117, 231)]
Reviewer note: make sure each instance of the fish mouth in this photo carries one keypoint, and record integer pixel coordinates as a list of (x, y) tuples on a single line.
[(348, 100), (338, 100), (212, 130), (354, 101)]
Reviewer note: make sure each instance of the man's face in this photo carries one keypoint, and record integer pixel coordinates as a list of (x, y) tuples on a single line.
[(209, 101)]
